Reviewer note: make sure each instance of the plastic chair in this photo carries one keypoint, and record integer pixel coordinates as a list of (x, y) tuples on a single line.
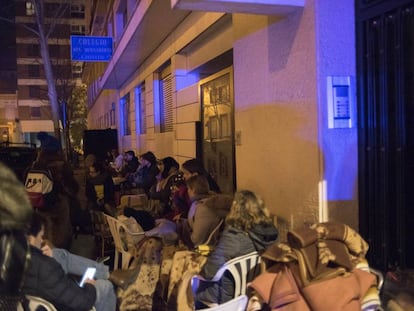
[(37, 302), (243, 270), (101, 233), (236, 304), (123, 239)]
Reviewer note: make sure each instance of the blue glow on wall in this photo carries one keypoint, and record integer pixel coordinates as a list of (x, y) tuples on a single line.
[(157, 110), (184, 79)]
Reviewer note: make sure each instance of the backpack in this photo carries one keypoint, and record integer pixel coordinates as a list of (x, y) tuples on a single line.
[(40, 187)]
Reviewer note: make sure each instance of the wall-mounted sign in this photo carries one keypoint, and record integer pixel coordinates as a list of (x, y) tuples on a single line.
[(91, 48)]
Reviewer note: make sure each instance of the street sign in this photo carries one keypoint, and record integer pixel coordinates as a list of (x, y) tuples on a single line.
[(91, 48)]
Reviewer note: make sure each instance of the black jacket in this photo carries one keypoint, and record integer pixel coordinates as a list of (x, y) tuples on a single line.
[(46, 278)]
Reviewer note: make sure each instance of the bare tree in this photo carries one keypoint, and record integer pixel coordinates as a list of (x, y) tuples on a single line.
[(44, 35), (43, 31)]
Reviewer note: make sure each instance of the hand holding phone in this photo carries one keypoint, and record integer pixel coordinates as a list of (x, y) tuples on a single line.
[(88, 275)]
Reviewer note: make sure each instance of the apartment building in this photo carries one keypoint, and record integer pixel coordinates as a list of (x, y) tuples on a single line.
[(290, 99), (8, 73), (62, 19)]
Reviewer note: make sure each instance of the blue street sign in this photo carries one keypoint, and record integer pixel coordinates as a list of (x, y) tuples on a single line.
[(91, 48)]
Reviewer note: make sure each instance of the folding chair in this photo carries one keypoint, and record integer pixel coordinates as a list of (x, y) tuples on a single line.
[(123, 240)]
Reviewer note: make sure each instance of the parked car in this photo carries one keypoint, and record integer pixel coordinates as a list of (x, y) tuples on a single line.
[(18, 156)]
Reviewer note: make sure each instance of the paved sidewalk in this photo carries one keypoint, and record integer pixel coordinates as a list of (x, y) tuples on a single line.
[(83, 244)]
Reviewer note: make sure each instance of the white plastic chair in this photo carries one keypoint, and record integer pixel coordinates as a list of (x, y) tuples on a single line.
[(122, 246), (36, 302), (236, 304), (243, 270)]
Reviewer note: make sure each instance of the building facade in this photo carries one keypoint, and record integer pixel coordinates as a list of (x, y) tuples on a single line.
[(32, 107), (247, 87)]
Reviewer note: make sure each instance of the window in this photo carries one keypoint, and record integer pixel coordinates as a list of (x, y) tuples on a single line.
[(165, 101), (33, 50), (76, 68), (77, 29), (35, 112), (77, 11), (54, 50), (34, 91), (125, 113), (30, 10), (34, 71), (140, 109)]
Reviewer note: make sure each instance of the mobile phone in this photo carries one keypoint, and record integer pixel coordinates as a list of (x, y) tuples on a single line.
[(88, 275)]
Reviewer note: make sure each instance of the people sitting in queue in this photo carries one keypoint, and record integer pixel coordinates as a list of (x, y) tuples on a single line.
[(145, 176), (248, 228), (48, 276), (206, 213), (160, 193), (131, 164)]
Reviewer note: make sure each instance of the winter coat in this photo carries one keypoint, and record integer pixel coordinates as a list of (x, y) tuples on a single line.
[(58, 229), (46, 278), (104, 180), (232, 243), (206, 213), (145, 177)]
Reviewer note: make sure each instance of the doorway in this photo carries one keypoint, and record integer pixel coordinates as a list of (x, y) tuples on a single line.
[(385, 64), (217, 128)]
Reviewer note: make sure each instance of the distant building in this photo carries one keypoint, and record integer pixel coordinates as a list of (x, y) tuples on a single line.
[(8, 74), (33, 107)]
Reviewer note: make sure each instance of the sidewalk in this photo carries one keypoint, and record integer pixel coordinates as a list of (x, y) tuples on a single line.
[(83, 244)]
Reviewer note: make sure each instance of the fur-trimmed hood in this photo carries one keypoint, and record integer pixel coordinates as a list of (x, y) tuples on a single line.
[(220, 203)]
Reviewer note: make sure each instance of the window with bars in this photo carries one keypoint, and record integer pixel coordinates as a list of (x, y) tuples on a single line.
[(125, 113), (140, 109), (165, 101)]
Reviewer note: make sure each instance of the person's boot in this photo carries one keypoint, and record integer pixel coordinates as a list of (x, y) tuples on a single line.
[(124, 278)]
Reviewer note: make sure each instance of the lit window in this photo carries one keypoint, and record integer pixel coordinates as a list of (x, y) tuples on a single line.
[(30, 10), (77, 29)]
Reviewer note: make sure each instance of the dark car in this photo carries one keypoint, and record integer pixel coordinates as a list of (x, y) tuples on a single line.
[(18, 156)]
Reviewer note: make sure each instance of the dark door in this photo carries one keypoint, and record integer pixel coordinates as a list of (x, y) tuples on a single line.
[(385, 59)]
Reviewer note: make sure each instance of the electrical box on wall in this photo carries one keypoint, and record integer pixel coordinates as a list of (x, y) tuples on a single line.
[(340, 101)]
